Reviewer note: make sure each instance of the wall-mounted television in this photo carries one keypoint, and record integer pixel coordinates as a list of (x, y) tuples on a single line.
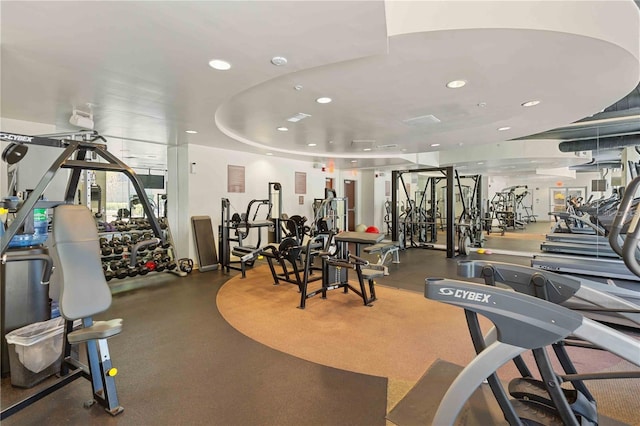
[(152, 181)]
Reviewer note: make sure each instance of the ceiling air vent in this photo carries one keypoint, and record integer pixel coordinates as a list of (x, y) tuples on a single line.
[(423, 120), (388, 146), (299, 116)]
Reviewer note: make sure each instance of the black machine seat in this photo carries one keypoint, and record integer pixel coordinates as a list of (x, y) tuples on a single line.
[(384, 249)]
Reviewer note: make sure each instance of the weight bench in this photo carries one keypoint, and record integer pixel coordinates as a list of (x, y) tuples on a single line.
[(246, 255), (369, 272), (384, 249), (79, 285), (337, 269)]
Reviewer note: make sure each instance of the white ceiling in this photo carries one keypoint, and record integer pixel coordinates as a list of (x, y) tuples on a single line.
[(143, 68)]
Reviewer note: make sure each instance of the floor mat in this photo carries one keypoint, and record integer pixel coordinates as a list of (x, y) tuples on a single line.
[(420, 404)]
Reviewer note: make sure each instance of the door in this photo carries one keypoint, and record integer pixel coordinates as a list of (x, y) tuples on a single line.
[(350, 195), (328, 183)]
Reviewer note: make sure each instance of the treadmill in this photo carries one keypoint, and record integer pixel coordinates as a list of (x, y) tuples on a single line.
[(607, 268), (590, 249), (566, 237)]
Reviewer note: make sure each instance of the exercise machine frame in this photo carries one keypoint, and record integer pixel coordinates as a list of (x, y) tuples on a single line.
[(397, 180)]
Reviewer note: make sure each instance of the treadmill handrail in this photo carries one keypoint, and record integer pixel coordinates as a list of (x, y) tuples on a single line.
[(629, 249), (561, 289), (520, 278), (520, 319)]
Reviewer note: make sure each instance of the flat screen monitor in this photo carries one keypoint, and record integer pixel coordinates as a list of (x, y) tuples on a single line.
[(152, 181)]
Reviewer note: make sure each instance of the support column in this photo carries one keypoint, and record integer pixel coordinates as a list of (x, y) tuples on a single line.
[(178, 197)]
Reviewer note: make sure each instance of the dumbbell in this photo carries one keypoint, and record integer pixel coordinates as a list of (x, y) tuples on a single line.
[(171, 266), (143, 270), (186, 265), (108, 275), (106, 250), (133, 272), (122, 273), (118, 249)]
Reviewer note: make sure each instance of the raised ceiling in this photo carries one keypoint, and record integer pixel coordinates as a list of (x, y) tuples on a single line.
[(142, 66)]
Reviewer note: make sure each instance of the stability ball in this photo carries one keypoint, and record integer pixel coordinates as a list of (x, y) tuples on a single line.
[(361, 228), (372, 230)]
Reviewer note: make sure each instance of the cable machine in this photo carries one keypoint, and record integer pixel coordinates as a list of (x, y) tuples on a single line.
[(79, 148), (396, 220), (470, 222)]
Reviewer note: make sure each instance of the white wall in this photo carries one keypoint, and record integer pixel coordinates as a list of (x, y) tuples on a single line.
[(208, 185), (379, 197), (178, 198)]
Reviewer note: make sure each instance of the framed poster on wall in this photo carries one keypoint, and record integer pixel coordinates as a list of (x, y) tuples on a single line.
[(301, 183), (235, 178)]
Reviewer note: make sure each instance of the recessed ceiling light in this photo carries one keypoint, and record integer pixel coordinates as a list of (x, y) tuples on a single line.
[(480, 162), (367, 149), (323, 100), (354, 161), (456, 84), (192, 132), (283, 129), (502, 129), (435, 144), (311, 144), (482, 104), (219, 64), (530, 103), (269, 153), (330, 141), (279, 61)]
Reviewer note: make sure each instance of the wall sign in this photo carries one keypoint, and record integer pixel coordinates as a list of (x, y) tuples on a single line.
[(301, 183), (235, 178)]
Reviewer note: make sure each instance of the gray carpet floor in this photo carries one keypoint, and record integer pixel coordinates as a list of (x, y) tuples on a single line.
[(179, 362)]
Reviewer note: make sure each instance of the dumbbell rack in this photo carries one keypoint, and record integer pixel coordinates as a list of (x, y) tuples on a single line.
[(116, 244)]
